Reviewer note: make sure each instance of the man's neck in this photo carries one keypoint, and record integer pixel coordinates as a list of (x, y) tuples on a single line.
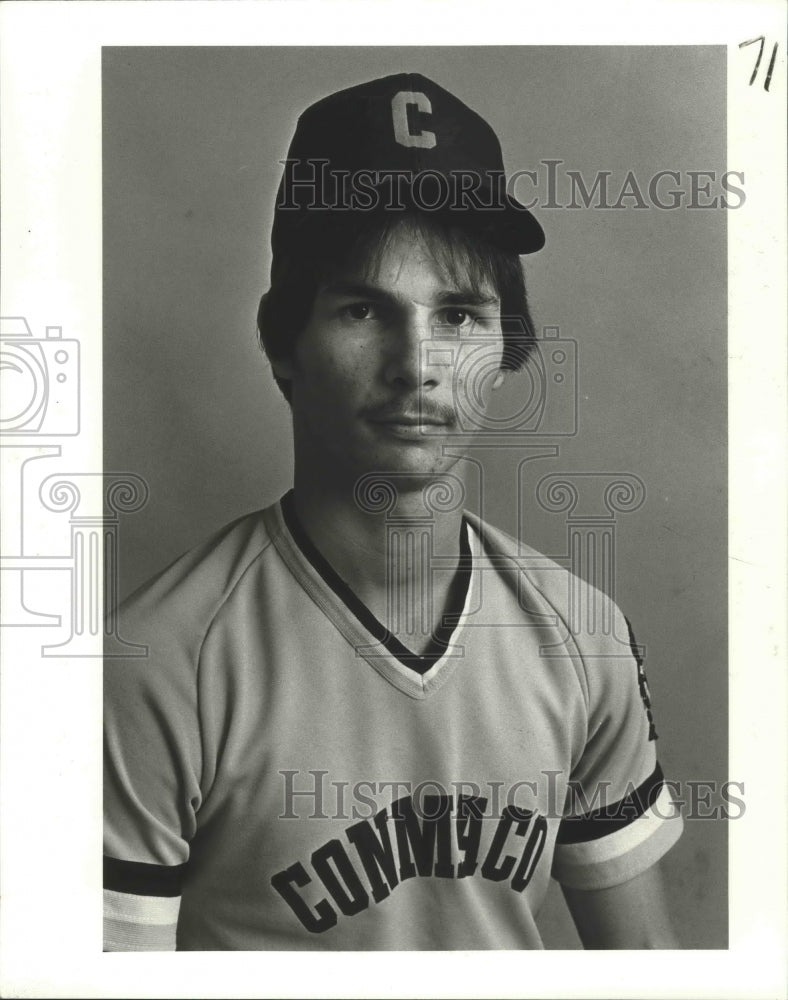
[(383, 544)]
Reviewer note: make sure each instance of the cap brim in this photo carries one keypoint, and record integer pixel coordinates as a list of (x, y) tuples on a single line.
[(516, 228), (510, 226)]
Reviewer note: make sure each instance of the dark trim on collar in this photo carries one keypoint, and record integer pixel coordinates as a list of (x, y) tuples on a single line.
[(441, 637)]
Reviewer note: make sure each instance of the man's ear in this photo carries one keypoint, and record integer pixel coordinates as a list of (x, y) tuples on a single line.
[(498, 381)]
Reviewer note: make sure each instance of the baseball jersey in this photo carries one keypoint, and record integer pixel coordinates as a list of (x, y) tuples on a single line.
[(280, 776)]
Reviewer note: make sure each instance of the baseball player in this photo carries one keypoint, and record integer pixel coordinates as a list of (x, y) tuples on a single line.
[(368, 719)]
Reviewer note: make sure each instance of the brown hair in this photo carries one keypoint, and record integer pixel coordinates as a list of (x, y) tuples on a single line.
[(331, 242)]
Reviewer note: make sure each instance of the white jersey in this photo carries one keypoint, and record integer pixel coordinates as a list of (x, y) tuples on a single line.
[(280, 776)]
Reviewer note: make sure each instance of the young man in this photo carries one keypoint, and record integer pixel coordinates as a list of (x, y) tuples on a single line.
[(367, 719)]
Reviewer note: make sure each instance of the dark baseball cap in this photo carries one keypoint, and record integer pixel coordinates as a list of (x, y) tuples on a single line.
[(400, 142)]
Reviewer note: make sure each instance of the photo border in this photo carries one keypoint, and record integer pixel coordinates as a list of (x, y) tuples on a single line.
[(51, 709)]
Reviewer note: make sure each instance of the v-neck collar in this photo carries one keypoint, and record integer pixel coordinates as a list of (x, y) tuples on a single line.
[(415, 675)]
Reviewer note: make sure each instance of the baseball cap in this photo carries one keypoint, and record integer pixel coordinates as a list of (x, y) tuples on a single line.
[(396, 143)]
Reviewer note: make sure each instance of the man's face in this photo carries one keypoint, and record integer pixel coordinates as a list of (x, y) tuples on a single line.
[(385, 361)]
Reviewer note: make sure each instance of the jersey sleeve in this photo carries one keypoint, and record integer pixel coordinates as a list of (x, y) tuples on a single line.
[(152, 765), (620, 816)]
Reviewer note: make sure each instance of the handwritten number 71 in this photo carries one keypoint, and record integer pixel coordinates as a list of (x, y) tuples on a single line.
[(769, 71)]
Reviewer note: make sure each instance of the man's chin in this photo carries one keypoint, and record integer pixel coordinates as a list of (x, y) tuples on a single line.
[(408, 467), (410, 476)]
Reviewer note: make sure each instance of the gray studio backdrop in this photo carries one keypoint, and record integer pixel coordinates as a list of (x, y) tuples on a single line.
[(192, 137)]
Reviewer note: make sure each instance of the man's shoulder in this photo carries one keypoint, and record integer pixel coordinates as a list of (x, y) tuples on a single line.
[(576, 602), (504, 550), (195, 585)]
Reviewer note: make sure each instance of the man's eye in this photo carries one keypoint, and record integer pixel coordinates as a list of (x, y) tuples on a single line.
[(358, 310), (454, 317)]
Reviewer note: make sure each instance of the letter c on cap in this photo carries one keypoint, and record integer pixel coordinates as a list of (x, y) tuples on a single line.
[(399, 114)]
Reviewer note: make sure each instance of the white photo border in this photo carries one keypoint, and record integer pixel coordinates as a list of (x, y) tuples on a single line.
[(51, 708)]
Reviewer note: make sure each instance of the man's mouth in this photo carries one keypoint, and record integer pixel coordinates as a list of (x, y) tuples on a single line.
[(409, 420), (407, 423), (415, 413)]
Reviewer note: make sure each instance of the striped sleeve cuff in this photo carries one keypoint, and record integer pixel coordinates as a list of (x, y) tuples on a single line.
[(139, 923), (141, 905), (614, 845)]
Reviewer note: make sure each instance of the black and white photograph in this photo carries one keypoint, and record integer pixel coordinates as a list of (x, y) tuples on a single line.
[(358, 698), (404, 564)]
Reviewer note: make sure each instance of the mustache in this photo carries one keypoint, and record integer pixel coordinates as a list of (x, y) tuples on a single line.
[(423, 409)]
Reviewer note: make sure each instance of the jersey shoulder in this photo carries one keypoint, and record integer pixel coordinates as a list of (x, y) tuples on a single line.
[(186, 596), (592, 622)]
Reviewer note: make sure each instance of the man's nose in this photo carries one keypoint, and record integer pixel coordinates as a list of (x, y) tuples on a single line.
[(410, 362)]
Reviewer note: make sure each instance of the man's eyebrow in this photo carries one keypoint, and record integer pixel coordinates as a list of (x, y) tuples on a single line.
[(455, 297), (467, 297), (354, 289)]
